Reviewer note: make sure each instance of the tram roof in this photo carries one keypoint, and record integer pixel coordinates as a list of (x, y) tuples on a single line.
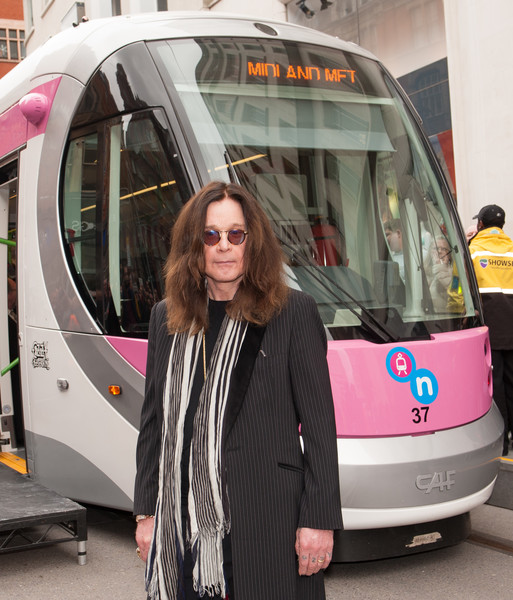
[(78, 51)]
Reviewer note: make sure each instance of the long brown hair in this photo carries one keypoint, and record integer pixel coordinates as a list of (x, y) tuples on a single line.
[(262, 291)]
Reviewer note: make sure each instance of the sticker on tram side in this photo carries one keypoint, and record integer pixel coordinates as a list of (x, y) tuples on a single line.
[(424, 538), (402, 367), (40, 352)]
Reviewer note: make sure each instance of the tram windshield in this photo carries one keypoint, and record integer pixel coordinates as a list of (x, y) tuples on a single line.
[(326, 143)]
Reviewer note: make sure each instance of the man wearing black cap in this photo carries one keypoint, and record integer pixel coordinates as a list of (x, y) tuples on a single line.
[(492, 255)]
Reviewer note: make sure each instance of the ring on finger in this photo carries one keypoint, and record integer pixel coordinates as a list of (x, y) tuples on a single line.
[(138, 552)]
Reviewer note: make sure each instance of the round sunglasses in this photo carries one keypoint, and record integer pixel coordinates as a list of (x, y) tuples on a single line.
[(211, 237)]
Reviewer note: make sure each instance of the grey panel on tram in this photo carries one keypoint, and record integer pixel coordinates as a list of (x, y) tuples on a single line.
[(445, 477), (70, 474), (104, 366), (68, 308)]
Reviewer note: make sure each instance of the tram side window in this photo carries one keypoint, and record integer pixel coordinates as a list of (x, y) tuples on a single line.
[(80, 190), (139, 187)]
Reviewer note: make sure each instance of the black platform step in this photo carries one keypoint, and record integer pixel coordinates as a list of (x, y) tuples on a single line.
[(32, 516)]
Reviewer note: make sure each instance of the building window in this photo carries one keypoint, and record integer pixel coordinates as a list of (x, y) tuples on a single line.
[(12, 44), (428, 89), (29, 15), (161, 5), (116, 8)]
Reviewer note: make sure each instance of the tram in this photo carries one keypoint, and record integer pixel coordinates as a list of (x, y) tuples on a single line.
[(105, 132)]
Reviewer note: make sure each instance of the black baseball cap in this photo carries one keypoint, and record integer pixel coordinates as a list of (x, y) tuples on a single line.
[(491, 214)]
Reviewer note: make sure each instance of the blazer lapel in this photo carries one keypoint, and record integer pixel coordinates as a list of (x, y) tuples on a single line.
[(241, 375)]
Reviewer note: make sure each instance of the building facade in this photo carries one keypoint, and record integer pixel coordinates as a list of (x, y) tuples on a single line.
[(12, 34), (46, 17)]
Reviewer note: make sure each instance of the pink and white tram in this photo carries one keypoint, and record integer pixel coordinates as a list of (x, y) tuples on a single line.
[(106, 131)]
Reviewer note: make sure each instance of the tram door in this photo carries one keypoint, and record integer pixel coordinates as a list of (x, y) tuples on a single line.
[(11, 412)]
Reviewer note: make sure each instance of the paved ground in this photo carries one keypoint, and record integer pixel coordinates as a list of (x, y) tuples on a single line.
[(467, 571), (113, 571)]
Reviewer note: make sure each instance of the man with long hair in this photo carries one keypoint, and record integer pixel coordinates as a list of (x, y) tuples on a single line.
[(228, 502)]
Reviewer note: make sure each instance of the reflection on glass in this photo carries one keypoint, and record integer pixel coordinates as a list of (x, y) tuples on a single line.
[(326, 143), (119, 243)]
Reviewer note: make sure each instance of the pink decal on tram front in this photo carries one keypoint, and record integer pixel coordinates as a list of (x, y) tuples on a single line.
[(28, 118), (394, 389), (410, 388), (133, 350)]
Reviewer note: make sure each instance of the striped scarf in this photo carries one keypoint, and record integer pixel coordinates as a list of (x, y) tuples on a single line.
[(209, 518)]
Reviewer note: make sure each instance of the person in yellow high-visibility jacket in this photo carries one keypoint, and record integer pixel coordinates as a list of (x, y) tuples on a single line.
[(492, 256)]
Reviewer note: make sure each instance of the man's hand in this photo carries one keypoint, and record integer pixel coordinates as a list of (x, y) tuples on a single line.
[(143, 535), (314, 548)]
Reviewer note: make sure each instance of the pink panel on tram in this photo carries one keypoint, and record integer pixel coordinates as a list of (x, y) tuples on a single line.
[(16, 129), (395, 389), (134, 351), (412, 387)]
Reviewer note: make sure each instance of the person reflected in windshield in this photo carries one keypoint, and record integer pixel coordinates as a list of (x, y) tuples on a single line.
[(328, 244), (442, 276), (393, 232), (439, 272)]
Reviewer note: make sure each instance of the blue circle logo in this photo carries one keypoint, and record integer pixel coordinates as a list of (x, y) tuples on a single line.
[(401, 366)]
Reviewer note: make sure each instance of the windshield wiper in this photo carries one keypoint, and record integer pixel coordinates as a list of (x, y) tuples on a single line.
[(366, 317)]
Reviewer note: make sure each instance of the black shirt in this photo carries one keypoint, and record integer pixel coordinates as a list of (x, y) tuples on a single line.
[(216, 314)]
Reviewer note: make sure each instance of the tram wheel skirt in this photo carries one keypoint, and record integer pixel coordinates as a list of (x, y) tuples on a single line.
[(373, 544)]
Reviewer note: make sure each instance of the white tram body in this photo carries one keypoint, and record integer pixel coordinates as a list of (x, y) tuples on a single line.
[(104, 135)]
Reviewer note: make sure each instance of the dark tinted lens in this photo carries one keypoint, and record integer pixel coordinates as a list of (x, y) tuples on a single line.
[(211, 237), (236, 236)]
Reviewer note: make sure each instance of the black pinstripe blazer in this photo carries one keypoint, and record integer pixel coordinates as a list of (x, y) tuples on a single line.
[(274, 485)]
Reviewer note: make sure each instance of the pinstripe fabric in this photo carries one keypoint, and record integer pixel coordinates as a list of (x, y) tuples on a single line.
[(272, 486)]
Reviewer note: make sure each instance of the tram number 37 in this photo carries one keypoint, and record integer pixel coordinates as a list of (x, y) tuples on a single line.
[(420, 414)]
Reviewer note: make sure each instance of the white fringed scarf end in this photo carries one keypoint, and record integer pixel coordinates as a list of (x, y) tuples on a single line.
[(208, 522)]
